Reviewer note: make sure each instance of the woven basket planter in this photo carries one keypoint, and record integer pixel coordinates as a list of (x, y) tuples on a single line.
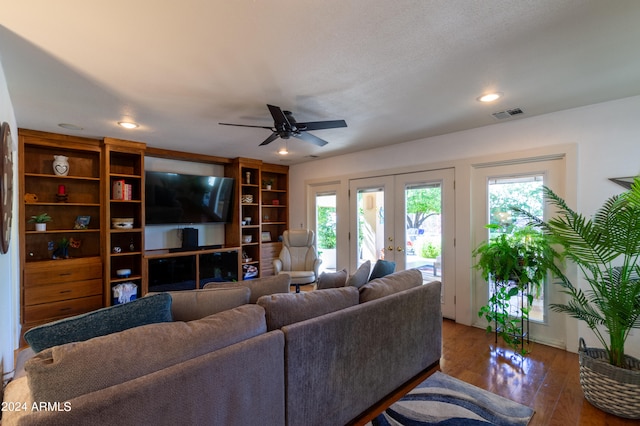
[(612, 389)]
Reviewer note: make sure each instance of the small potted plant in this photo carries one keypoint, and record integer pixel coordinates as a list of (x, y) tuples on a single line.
[(40, 221), (267, 183), (512, 265)]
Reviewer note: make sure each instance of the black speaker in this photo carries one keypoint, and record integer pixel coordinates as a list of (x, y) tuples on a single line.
[(189, 238)]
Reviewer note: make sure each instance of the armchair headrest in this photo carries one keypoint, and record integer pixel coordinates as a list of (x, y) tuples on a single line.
[(298, 238)]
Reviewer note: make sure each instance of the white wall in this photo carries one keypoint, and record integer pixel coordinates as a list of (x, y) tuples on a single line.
[(605, 135), (9, 262)]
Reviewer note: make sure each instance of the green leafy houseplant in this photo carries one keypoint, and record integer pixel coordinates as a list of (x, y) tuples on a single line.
[(41, 218), (513, 263), (605, 249)]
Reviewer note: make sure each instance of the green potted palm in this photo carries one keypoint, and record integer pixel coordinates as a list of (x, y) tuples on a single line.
[(512, 264), (606, 249)]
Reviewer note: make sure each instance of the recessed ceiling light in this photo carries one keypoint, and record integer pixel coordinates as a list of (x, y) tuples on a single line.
[(128, 124), (69, 126), (490, 97)]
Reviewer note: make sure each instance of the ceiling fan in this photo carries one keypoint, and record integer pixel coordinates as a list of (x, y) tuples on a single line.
[(285, 126)]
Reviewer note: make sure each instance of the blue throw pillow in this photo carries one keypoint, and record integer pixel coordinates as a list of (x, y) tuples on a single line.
[(148, 310), (382, 268)]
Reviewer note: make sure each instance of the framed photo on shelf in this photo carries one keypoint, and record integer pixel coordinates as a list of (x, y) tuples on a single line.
[(266, 236), (82, 222)]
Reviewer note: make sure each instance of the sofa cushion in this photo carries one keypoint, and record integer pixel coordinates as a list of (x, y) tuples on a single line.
[(284, 309), (361, 276), (189, 305), (382, 268), (64, 372), (389, 284), (147, 310), (332, 280), (259, 287)]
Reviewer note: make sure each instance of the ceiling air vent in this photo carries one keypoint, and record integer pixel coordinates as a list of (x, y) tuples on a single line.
[(501, 115)]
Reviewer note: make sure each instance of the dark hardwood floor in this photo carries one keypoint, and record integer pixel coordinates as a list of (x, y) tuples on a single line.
[(547, 380)]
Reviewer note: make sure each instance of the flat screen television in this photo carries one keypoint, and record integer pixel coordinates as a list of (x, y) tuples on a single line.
[(172, 198)]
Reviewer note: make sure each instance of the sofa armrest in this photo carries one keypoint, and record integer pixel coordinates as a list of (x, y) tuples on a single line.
[(23, 356), (353, 358), (203, 390), (316, 267), (277, 266)]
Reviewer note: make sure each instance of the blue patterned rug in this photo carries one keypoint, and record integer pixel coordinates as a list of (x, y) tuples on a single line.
[(444, 400)]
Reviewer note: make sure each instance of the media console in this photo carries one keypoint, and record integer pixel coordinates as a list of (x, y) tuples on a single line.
[(171, 270)]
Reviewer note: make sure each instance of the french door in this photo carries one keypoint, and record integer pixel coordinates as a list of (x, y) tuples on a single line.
[(408, 219), (496, 187)]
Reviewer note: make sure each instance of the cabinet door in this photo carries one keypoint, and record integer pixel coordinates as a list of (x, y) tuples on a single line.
[(219, 266)]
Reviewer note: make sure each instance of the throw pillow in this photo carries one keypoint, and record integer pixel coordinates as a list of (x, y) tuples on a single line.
[(361, 276), (382, 268), (390, 284), (284, 309), (147, 310), (332, 280)]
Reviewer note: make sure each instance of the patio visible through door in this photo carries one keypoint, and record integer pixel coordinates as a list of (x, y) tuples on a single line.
[(407, 219)]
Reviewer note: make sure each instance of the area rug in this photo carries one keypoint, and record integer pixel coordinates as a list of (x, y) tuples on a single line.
[(444, 400)]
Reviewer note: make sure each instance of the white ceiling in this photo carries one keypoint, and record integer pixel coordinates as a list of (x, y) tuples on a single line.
[(394, 70)]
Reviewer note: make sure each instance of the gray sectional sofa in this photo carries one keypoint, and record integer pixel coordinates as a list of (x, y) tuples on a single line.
[(314, 358)]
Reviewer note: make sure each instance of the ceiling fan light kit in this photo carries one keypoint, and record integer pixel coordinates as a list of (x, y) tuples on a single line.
[(285, 126)]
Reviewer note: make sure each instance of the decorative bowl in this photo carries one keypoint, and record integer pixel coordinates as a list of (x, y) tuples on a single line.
[(123, 273), (247, 198), (122, 222), (247, 238)]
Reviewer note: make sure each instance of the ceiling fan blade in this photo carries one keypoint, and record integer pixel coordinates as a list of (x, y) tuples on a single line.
[(308, 137), (279, 118), (320, 125), (270, 139), (246, 125)]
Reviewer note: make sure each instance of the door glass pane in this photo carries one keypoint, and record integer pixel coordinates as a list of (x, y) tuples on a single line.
[(524, 192), (423, 205), (326, 221), (370, 238)]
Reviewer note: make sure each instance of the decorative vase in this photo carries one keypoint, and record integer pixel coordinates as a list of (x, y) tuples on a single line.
[(268, 187), (248, 177), (41, 227), (612, 389), (60, 165)]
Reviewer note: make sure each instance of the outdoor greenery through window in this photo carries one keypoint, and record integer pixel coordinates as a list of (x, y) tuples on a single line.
[(326, 230), (423, 207), (524, 192)]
